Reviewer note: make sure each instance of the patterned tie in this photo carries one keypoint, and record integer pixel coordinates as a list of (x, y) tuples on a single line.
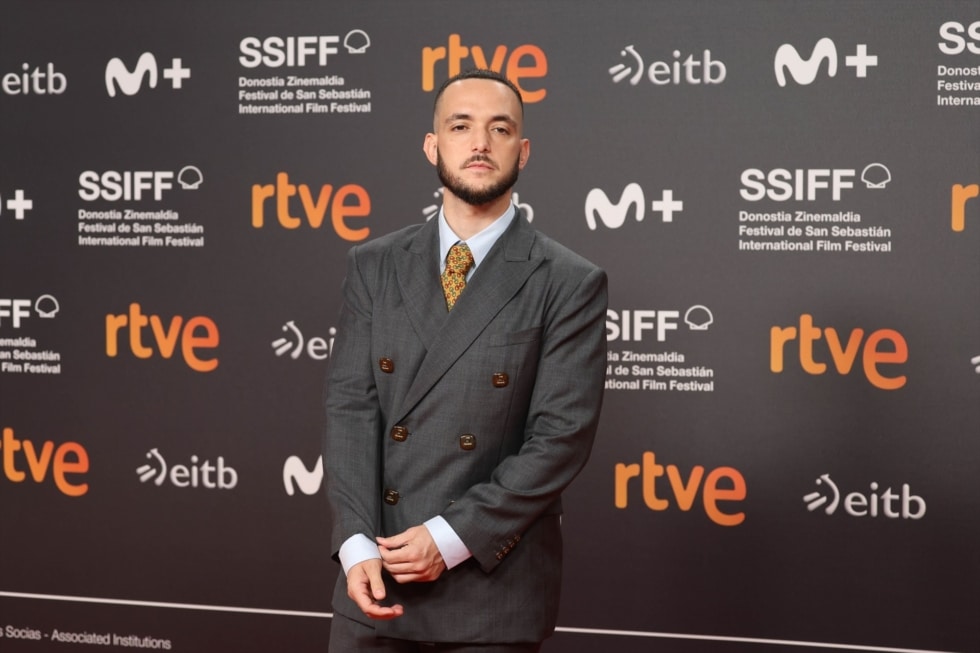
[(458, 262)]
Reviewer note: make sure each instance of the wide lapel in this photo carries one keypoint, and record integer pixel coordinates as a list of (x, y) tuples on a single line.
[(417, 269), (499, 277)]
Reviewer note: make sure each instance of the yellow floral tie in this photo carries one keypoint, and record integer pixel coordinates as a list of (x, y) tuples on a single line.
[(458, 262)]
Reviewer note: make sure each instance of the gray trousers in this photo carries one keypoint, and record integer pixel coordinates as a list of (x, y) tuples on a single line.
[(348, 636)]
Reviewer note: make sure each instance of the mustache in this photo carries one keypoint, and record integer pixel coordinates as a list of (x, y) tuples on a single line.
[(479, 158)]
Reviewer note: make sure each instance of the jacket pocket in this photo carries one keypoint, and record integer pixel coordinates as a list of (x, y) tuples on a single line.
[(515, 338)]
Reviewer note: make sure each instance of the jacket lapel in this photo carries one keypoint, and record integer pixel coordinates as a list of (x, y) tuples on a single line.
[(447, 335), (417, 270)]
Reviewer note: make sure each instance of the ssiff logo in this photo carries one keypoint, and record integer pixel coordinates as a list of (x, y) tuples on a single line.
[(630, 325), (690, 70), (46, 307), (805, 71), (522, 63), (131, 185), (298, 51), (809, 184), (117, 75), (890, 504), (599, 208)]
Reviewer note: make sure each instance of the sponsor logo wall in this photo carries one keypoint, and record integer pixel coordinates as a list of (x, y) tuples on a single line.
[(786, 198)]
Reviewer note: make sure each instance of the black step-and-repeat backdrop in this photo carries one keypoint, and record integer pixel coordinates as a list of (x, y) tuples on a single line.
[(786, 197)]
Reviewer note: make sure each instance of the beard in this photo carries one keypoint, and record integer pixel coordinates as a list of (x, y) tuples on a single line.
[(469, 194)]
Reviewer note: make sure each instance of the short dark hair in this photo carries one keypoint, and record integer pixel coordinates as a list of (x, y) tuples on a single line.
[(479, 73)]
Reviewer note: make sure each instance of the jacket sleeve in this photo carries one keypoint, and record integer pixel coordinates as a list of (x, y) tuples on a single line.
[(353, 417)]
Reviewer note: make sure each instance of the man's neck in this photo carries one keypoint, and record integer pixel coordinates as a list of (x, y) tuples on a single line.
[(467, 220)]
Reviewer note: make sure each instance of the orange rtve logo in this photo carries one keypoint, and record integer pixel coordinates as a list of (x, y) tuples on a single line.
[(67, 458), (683, 491), (349, 201), (510, 64), (193, 335), (843, 355)]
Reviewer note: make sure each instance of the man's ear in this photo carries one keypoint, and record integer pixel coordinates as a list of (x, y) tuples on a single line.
[(431, 148), (525, 153)]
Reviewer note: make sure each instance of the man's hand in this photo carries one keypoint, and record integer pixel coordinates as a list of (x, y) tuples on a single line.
[(365, 588), (412, 556)]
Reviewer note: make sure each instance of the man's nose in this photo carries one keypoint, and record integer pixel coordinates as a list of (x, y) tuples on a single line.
[(481, 141)]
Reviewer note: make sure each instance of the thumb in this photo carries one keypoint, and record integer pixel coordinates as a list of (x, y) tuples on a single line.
[(377, 585)]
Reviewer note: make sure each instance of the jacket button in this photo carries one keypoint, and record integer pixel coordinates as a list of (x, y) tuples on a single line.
[(399, 433), (391, 497), (387, 365), (467, 442), (500, 380)]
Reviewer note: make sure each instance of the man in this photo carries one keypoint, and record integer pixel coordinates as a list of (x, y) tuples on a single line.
[(456, 417)]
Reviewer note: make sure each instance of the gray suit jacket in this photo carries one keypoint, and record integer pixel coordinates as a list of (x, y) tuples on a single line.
[(482, 415)]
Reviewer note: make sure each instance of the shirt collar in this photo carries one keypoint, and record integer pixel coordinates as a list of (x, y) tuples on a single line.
[(480, 243)]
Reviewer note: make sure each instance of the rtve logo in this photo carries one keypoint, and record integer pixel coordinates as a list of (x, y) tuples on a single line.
[(18, 310), (844, 355), (198, 474), (131, 82), (629, 326), (197, 333), (295, 345), (20, 204), (350, 201), (296, 475), (613, 216), (36, 81), (887, 504), (703, 71), (806, 184), (953, 41), (67, 458), (130, 185), (721, 484), (804, 71), (509, 64), (961, 195)]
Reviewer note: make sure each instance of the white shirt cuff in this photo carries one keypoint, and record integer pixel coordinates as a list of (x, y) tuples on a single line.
[(447, 541), (356, 550)]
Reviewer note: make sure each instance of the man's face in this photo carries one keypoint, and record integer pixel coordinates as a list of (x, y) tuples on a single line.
[(476, 143)]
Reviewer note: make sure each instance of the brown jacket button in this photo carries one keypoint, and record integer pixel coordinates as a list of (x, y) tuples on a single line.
[(467, 442), (391, 497), (500, 380), (399, 433), (387, 365)]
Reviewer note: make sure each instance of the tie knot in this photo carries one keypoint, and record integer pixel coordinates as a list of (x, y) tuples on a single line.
[(460, 259)]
